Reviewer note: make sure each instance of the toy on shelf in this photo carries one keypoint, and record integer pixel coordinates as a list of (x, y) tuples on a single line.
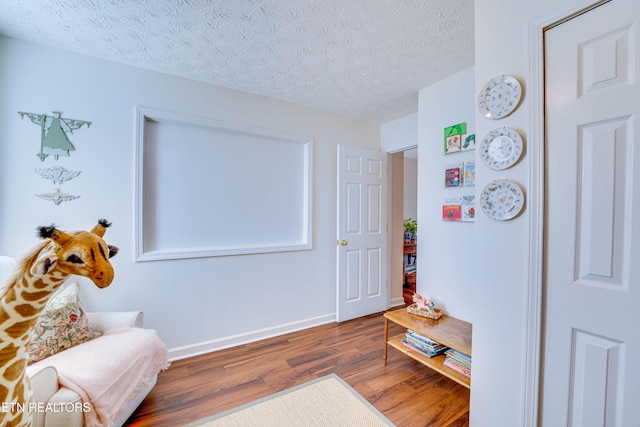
[(421, 302), (424, 307)]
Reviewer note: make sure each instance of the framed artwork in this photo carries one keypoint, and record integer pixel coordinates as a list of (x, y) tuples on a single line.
[(456, 139), (469, 142), (453, 175), (469, 174), (461, 209), (468, 206), (453, 138), (451, 212), (453, 144)]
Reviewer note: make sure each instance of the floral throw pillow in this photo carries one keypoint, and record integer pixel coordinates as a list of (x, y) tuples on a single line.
[(62, 325)]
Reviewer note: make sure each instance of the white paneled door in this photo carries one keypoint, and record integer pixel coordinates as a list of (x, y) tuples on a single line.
[(362, 232), (592, 279)]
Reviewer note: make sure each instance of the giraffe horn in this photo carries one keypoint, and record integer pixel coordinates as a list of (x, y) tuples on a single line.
[(102, 226), (51, 232), (46, 232)]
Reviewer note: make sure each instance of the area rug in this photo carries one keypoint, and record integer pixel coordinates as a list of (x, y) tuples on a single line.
[(326, 401)]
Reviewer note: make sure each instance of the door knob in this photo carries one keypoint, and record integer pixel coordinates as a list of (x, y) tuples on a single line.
[(343, 243)]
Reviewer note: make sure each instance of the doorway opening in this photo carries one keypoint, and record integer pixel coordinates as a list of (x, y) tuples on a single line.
[(404, 206)]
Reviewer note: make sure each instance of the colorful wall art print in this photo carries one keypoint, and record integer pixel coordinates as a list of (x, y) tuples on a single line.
[(459, 209), (468, 205), (469, 174), (453, 175), (469, 142), (452, 209), (453, 138)]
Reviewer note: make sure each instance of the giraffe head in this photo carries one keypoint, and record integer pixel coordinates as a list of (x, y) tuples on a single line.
[(82, 253)]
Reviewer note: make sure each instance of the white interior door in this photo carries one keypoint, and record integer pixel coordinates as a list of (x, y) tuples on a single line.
[(362, 232), (592, 278)]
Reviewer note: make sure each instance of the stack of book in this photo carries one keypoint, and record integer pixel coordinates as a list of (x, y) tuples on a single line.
[(422, 344), (458, 361)]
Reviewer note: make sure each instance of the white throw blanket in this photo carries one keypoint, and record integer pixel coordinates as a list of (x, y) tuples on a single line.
[(108, 371)]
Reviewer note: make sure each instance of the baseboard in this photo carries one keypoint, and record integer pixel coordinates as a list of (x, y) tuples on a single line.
[(184, 352), (396, 302)]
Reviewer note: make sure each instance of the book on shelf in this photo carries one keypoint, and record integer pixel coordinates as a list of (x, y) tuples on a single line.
[(460, 358), (458, 361), (461, 355), (412, 345), (452, 364), (422, 344), (422, 338), (434, 349)]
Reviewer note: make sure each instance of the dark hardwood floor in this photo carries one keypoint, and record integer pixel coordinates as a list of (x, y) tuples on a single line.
[(406, 392)]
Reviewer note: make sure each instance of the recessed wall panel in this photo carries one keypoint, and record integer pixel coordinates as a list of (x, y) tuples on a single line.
[(244, 191)]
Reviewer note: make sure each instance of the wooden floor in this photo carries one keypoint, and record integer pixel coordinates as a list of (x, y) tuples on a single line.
[(406, 392)]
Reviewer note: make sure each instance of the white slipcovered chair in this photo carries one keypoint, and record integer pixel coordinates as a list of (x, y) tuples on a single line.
[(66, 406), (59, 406)]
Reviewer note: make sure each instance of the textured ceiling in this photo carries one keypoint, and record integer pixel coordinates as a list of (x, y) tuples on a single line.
[(360, 58)]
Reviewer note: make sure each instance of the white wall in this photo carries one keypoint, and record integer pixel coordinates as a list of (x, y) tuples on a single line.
[(196, 304), (445, 258), (399, 134), (503, 248)]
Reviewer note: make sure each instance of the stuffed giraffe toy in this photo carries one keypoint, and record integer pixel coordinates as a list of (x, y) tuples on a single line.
[(25, 295)]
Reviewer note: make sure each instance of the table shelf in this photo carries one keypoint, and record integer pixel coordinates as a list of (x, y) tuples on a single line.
[(451, 332)]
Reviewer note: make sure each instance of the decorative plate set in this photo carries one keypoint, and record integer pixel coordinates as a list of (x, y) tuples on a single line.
[(501, 148)]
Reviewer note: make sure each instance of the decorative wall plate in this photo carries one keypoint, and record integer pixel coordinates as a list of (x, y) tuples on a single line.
[(502, 199), (501, 148), (499, 97)]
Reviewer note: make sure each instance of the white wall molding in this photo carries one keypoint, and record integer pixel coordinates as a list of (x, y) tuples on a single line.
[(197, 349), (249, 190)]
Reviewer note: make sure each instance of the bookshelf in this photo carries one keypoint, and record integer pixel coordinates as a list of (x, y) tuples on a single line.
[(449, 331), (409, 271)]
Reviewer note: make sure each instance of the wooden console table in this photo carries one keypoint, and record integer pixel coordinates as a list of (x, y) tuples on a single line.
[(449, 331)]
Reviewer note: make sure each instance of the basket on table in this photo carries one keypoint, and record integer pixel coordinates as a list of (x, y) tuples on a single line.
[(434, 313)]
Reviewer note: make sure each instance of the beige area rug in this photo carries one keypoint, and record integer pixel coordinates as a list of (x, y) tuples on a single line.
[(326, 401)]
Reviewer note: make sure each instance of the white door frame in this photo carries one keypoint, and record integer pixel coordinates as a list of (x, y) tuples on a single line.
[(533, 333), (399, 301)]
